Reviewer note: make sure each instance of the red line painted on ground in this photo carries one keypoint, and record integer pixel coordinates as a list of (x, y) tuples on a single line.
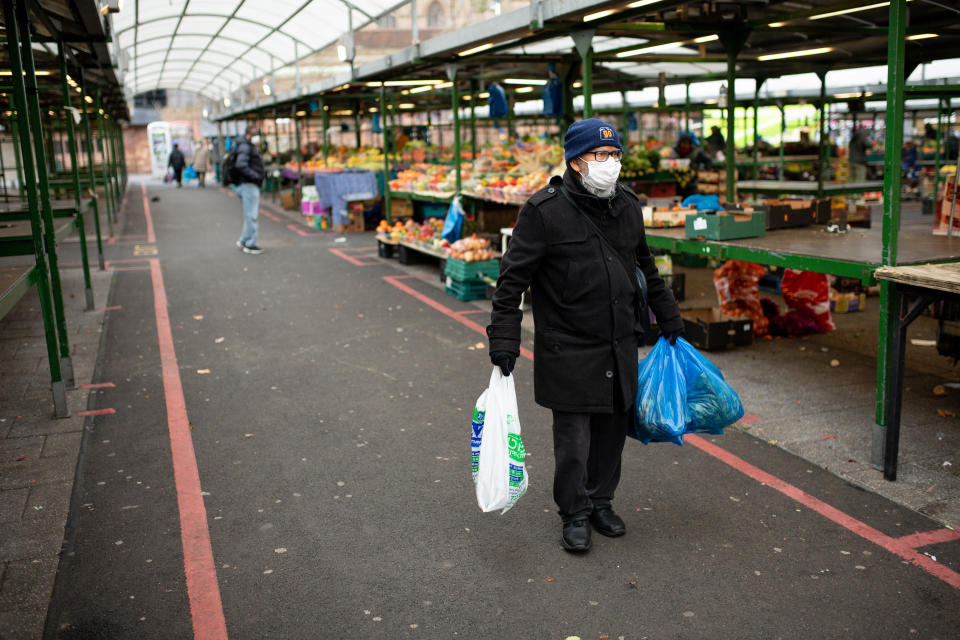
[(96, 412), (98, 385), (151, 237), (143, 268), (892, 545), (203, 591), (298, 230), (928, 537), (266, 213), (359, 249), (115, 308), (360, 263), (747, 419), (445, 310)]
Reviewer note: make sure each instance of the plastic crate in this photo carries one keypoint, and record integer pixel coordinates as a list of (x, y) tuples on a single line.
[(466, 291), (465, 271)]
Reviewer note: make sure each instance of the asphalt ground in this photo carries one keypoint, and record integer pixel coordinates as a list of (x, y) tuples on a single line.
[(327, 397)]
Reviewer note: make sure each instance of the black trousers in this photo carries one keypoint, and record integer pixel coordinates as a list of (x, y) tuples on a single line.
[(587, 448)]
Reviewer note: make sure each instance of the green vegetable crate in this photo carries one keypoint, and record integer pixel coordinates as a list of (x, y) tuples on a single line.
[(470, 271), (726, 226), (466, 290)]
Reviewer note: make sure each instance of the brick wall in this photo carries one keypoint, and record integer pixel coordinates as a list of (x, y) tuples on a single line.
[(137, 146)]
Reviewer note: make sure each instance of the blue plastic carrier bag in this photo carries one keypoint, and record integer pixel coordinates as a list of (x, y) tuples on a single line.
[(679, 391)]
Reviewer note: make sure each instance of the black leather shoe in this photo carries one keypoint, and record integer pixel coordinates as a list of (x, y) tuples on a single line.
[(576, 535), (607, 522)]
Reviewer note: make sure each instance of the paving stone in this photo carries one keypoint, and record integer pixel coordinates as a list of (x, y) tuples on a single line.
[(12, 503), (17, 475), (30, 540), (29, 447), (23, 624), (28, 584), (62, 444), (49, 501), (46, 425)]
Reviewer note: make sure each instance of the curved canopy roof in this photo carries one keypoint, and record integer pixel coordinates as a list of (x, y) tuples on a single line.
[(213, 47)]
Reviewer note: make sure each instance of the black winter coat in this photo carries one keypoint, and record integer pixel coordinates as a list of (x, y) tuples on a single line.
[(586, 329), (249, 167), (177, 162)]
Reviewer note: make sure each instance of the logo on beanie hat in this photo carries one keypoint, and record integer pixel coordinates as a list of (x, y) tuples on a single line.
[(606, 133)]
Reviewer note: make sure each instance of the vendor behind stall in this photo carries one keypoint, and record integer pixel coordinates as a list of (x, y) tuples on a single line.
[(688, 148)]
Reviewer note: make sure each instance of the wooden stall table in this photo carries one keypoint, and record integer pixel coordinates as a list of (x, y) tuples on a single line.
[(800, 187), (912, 289)]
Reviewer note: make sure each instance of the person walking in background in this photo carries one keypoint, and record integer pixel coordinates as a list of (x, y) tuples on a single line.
[(177, 162), (715, 142), (247, 175), (859, 145), (201, 162), (577, 244)]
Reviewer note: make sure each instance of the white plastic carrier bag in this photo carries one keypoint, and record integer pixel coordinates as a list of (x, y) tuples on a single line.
[(497, 453)]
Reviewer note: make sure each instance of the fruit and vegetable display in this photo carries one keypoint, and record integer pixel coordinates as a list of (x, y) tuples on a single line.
[(471, 249), (340, 158), (638, 160), (427, 234)]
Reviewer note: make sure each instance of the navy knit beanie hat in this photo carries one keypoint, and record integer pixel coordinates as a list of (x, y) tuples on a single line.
[(584, 135)]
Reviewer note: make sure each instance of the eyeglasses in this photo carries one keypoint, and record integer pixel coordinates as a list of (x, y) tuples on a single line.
[(601, 156)]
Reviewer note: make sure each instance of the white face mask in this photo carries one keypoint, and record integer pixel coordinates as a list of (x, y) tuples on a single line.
[(255, 140), (601, 178)]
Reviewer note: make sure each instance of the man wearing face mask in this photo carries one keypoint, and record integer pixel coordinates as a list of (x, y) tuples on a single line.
[(248, 174), (586, 321)]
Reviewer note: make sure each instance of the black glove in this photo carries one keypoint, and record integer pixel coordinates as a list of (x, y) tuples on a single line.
[(506, 361), (672, 337)]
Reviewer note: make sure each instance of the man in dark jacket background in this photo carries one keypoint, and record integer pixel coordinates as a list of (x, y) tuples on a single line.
[(586, 320), (248, 174), (177, 162)]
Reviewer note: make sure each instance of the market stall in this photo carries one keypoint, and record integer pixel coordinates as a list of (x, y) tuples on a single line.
[(34, 222)]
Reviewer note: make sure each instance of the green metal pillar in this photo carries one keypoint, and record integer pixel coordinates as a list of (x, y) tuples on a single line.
[(43, 183), (473, 119), (783, 137), (15, 18), (686, 112), (104, 166), (356, 127), (823, 150), (115, 134), (891, 216), (588, 83), (394, 117), (297, 154), (75, 174), (386, 158), (109, 157), (16, 156), (325, 123), (95, 205), (756, 108), (455, 106), (733, 40), (276, 151), (106, 191), (936, 159), (3, 172)]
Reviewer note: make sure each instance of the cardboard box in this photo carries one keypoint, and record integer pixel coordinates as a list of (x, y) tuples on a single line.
[(401, 208), (847, 302), (786, 214), (654, 217), (726, 226), (708, 328)]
